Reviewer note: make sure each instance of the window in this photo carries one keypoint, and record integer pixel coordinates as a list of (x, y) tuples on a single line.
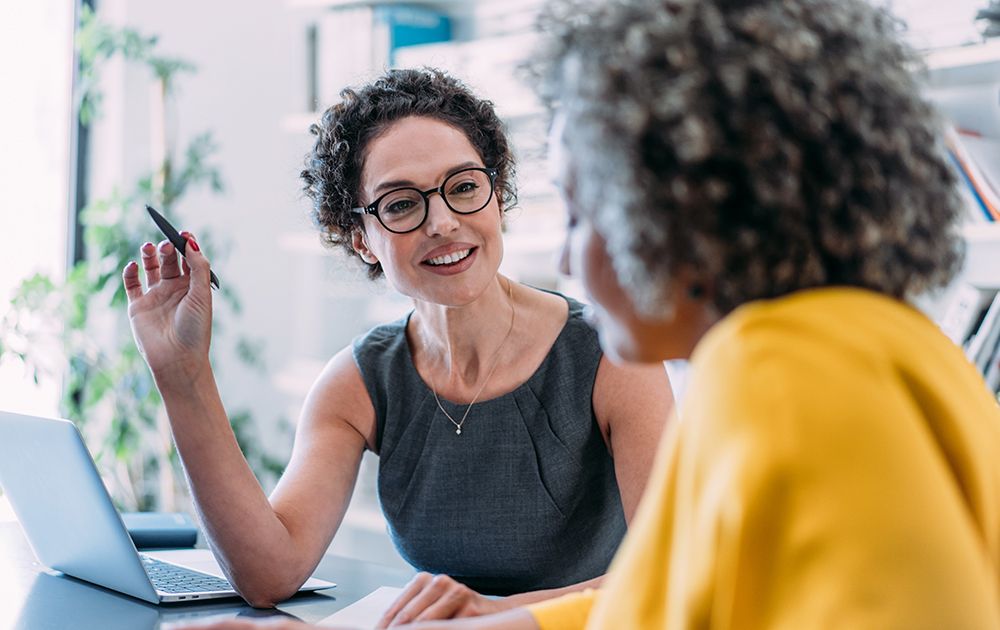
[(36, 116)]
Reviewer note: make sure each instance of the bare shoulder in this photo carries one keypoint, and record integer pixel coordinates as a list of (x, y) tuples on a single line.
[(632, 394), (338, 398), (633, 403), (544, 312)]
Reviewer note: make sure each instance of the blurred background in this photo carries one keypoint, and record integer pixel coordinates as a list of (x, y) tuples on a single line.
[(202, 109)]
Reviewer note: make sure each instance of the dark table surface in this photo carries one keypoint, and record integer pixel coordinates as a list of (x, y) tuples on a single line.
[(33, 597)]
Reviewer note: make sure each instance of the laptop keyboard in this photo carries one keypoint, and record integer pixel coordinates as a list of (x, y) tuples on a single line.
[(173, 578)]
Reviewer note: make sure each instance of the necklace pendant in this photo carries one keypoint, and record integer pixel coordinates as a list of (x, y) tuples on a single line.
[(458, 431)]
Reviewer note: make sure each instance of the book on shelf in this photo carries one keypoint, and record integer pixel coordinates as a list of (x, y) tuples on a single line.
[(992, 373), (977, 161), (982, 343), (972, 321), (402, 26), (965, 89), (965, 312)]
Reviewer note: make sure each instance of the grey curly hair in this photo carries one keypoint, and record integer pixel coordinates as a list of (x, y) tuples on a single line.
[(766, 145)]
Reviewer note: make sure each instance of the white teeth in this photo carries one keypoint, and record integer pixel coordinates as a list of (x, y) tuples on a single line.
[(448, 259)]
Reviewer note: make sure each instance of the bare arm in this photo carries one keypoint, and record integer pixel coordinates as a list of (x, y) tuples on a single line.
[(266, 548), (516, 619), (633, 404), (269, 547)]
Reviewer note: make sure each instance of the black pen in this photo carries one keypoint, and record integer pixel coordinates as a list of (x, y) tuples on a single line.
[(178, 241)]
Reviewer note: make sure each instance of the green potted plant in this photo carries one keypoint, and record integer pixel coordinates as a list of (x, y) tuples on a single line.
[(76, 330)]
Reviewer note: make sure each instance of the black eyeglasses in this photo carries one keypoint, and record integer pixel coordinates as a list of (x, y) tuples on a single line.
[(403, 210)]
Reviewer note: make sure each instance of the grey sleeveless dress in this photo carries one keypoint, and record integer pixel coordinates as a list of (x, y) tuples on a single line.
[(525, 498)]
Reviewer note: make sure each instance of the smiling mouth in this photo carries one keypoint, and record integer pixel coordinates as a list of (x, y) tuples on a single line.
[(449, 259)]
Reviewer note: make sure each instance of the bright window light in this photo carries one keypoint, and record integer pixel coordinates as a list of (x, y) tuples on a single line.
[(36, 62)]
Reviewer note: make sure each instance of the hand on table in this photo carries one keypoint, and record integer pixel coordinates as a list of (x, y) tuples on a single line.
[(429, 597)]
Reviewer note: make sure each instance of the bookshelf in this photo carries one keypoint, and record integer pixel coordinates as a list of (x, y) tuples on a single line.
[(964, 83)]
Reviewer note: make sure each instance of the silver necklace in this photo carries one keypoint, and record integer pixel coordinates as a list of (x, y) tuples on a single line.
[(496, 362)]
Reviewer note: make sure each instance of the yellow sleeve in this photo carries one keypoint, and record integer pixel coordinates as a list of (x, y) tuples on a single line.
[(835, 467), (568, 612)]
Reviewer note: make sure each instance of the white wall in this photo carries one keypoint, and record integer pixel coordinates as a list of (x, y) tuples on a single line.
[(36, 69), (933, 24), (250, 73)]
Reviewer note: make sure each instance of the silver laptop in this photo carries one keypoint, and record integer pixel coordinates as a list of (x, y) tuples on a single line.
[(67, 515)]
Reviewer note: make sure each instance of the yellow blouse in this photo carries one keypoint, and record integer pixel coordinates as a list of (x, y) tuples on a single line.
[(837, 465)]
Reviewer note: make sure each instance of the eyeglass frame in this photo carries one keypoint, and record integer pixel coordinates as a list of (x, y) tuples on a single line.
[(372, 208)]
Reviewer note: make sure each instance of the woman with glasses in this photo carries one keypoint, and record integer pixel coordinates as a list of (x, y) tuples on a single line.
[(512, 453)]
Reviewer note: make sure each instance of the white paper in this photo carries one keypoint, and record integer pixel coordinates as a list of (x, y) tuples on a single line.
[(197, 559), (365, 612)]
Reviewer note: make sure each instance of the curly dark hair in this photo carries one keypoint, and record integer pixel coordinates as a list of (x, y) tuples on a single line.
[(769, 146), (333, 169)]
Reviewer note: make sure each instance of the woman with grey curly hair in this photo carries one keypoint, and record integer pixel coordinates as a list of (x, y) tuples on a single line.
[(512, 452), (758, 185)]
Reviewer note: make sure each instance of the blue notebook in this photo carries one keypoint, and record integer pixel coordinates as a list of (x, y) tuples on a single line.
[(160, 530)]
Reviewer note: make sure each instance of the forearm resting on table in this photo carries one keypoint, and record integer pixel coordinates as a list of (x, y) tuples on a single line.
[(569, 612), (523, 599), (253, 545), (515, 619)]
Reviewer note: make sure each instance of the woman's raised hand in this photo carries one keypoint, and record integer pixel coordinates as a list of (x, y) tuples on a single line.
[(172, 319)]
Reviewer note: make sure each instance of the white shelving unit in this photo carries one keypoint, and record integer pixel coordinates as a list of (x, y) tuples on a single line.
[(982, 264), (959, 57), (964, 83)]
